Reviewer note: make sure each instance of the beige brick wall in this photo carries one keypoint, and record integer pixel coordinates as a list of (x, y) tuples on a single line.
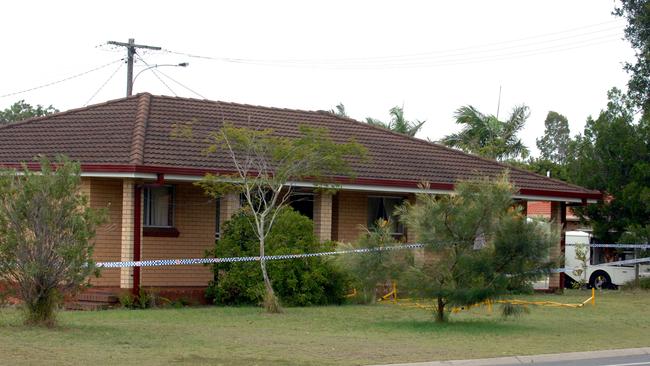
[(107, 194), (228, 206), (195, 217), (126, 237), (323, 216), (351, 216)]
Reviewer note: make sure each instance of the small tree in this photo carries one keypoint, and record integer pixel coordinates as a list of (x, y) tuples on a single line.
[(46, 227), (478, 247), (265, 165), (375, 267)]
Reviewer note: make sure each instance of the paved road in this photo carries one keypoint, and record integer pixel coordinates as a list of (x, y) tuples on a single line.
[(607, 361), (617, 357)]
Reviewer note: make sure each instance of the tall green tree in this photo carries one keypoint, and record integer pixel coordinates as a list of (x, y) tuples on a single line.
[(398, 123), (613, 155), (265, 164), (487, 136), (22, 110), (637, 31), (480, 248), (46, 228), (554, 144)]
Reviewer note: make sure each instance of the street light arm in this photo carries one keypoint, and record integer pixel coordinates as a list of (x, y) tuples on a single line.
[(182, 64)]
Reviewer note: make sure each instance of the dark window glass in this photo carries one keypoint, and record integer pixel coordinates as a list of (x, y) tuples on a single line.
[(384, 208), (159, 206)]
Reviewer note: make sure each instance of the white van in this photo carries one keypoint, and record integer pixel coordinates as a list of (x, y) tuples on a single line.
[(598, 273)]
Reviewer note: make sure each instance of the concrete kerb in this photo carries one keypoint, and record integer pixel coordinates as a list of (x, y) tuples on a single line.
[(525, 360)]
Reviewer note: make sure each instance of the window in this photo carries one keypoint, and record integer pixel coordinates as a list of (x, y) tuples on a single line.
[(384, 208), (159, 206), (303, 203)]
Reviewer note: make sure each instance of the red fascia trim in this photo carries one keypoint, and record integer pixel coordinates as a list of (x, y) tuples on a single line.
[(114, 168)]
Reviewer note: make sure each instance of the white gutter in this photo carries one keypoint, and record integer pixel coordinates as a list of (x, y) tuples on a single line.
[(119, 175), (390, 189), (347, 186)]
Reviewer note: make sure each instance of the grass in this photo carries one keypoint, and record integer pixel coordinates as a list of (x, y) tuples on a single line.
[(346, 335)]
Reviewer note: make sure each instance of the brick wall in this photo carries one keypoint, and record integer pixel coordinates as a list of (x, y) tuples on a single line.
[(127, 237), (106, 193), (195, 217), (351, 216), (323, 216)]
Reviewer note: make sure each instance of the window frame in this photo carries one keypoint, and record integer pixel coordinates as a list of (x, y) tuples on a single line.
[(399, 225), (171, 211)]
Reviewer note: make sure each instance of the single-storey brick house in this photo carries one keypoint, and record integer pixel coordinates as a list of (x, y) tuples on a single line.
[(131, 165)]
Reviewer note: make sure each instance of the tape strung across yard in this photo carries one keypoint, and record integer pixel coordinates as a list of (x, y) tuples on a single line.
[(186, 261), (619, 246), (178, 262)]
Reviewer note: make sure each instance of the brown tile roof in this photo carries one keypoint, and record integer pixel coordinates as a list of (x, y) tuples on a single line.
[(135, 132)]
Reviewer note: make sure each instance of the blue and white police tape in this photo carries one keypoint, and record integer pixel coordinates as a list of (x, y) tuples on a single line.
[(178, 262), (617, 263), (619, 246)]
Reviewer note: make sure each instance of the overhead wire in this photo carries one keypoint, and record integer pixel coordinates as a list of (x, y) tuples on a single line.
[(119, 67), (153, 70), (436, 57), (182, 85), (62, 80)]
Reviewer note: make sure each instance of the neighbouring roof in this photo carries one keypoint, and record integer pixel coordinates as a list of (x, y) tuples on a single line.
[(133, 134)]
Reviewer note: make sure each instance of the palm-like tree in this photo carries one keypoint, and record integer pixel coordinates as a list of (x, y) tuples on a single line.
[(398, 123), (487, 136), (339, 111)]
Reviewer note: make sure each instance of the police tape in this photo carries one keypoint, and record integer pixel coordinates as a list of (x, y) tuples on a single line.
[(607, 264), (620, 246), (186, 261), (190, 261)]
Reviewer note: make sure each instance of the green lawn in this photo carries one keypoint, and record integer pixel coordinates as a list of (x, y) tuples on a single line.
[(346, 335)]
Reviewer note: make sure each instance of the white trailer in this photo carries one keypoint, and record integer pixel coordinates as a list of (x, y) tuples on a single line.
[(596, 271)]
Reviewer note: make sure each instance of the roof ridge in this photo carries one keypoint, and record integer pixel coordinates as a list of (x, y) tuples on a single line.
[(140, 129), (238, 104), (69, 111)]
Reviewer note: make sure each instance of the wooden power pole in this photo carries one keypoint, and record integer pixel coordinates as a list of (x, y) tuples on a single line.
[(130, 48)]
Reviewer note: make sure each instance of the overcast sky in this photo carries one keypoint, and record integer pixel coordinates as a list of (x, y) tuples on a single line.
[(431, 57)]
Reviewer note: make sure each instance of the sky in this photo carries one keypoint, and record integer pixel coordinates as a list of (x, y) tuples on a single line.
[(431, 57)]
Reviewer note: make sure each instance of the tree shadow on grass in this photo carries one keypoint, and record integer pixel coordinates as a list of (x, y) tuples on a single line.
[(478, 326)]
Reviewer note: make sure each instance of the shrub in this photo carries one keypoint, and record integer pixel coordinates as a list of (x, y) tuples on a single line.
[(46, 229), (298, 282), (376, 268)]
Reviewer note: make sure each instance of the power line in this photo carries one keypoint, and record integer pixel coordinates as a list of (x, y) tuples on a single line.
[(448, 60), (432, 56), (131, 48), (156, 75), (62, 80), (182, 85), (104, 84)]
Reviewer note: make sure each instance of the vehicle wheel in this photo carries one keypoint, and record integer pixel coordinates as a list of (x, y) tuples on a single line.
[(600, 280)]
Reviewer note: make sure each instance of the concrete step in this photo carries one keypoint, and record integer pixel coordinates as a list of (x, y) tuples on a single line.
[(98, 296), (89, 305)]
